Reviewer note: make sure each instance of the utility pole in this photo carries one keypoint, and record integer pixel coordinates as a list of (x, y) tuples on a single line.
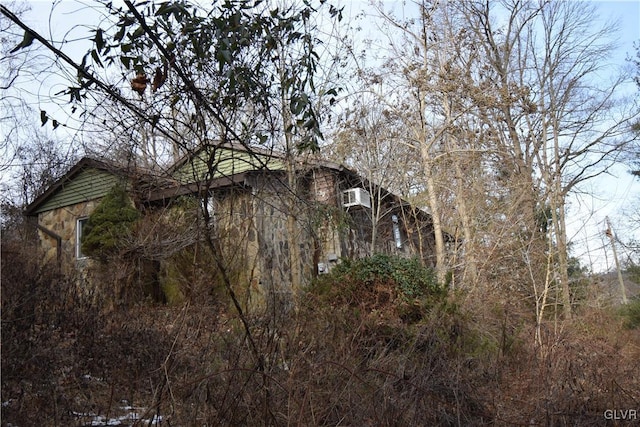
[(611, 237)]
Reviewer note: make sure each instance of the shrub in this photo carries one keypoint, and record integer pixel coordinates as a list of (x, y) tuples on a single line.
[(631, 313), (111, 221), (379, 282)]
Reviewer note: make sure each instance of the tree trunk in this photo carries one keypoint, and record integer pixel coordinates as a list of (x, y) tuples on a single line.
[(470, 275), (432, 200)]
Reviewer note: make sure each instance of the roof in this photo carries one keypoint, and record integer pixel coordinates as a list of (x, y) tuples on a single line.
[(245, 158), (90, 178)]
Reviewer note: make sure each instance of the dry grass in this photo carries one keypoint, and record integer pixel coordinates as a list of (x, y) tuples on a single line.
[(347, 363)]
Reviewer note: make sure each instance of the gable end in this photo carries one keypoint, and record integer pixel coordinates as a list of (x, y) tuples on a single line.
[(89, 184)]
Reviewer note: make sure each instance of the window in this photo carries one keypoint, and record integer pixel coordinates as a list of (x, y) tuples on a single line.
[(80, 225), (210, 206), (396, 231)]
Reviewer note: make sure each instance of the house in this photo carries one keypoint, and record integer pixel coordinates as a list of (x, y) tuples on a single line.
[(277, 222), (61, 211)]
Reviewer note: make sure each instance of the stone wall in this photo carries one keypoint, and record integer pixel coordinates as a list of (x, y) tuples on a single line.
[(252, 231), (63, 222), (273, 204), (328, 220), (325, 230), (324, 186), (235, 228)]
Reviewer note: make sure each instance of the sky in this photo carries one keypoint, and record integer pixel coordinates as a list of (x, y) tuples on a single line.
[(616, 196)]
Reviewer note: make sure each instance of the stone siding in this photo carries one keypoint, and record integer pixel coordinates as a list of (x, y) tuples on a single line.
[(272, 205), (234, 218), (63, 222)]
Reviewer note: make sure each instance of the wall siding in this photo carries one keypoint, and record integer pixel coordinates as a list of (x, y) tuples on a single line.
[(227, 162), (87, 185)]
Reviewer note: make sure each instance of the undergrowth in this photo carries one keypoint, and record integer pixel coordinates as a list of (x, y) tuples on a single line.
[(630, 312), (376, 342)]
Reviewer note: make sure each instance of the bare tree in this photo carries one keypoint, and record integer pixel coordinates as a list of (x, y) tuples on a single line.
[(31, 157), (368, 138), (429, 77), (558, 117)]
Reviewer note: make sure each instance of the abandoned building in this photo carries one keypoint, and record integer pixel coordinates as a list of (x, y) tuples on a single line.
[(278, 222)]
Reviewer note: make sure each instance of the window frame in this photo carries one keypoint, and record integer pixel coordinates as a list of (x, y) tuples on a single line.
[(80, 225)]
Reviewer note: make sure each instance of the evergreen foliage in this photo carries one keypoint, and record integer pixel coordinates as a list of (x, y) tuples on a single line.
[(401, 286), (631, 313), (412, 278), (112, 220)]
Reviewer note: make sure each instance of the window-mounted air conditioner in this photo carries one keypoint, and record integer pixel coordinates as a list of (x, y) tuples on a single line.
[(356, 197)]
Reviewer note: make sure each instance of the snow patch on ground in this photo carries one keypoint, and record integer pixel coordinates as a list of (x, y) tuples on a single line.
[(130, 416)]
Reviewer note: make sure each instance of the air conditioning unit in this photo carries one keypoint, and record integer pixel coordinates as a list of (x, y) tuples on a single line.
[(356, 197)]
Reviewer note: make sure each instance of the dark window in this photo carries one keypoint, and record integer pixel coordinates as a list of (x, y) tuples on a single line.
[(80, 225)]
